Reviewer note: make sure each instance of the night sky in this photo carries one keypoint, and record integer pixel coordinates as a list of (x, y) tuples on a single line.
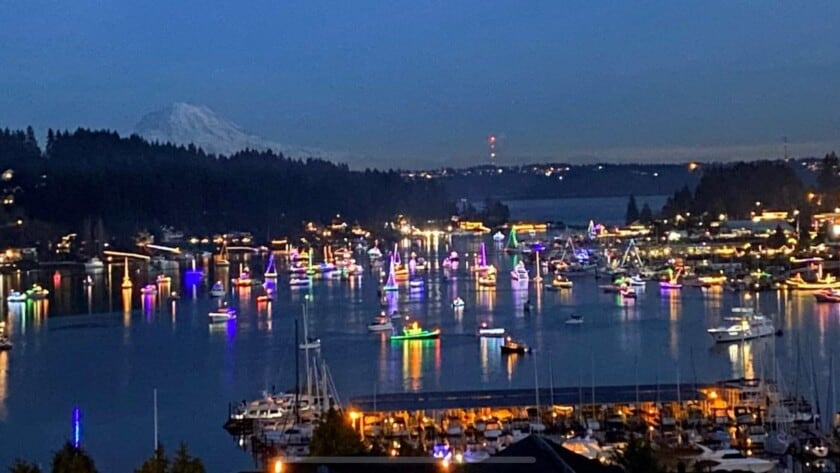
[(426, 82)]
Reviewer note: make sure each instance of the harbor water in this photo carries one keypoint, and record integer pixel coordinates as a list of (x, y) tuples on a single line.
[(104, 350)]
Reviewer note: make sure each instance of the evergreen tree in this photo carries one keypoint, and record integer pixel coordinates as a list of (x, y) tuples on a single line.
[(646, 215), (157, 463), (632, 213), (71, 459), (334, 436), (23, 466), (638, 457), (185, 463)]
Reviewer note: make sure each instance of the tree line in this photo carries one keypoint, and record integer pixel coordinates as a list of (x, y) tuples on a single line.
[(131, 184)]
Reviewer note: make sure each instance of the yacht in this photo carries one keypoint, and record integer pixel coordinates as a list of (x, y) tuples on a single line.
[(520, 273), (747, 325), (732, 460), (222, 314), (15, 297), (381, 324), (218, 289)]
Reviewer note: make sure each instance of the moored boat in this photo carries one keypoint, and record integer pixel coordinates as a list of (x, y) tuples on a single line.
[(748, 325), (148, 290), (829, 295), (381, 324), (16, 297), (37, 292), (458, 303), (218, 289), (574, 319), (222, 314)]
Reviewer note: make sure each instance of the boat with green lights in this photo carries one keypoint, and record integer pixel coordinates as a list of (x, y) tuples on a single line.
[(415, 332)]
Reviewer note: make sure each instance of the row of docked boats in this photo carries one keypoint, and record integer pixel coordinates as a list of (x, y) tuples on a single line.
[(35, 293)]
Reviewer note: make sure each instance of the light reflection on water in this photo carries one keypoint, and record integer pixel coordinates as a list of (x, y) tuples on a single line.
[(122, 345)]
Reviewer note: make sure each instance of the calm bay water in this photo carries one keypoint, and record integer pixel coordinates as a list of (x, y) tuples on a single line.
[(579, 211), (105, 353)]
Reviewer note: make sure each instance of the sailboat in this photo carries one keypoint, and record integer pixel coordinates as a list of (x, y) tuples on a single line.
[(221, 259), (512, 245), (308, 343), (391, 283), (270, 270), (672, 282), (480, 266)]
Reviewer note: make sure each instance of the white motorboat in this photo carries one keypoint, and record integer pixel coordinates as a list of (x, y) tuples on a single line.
[(16, 297), (498, 237), (458, 303), (585, 446), (300, 282), (381, 324), (485, 330), (222, 314), (733, 460), (519, 273), (218, 289), (310, 344), (747, 325), (574, 319)]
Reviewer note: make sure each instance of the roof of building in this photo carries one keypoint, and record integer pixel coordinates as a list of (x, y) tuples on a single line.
[(524, 397)]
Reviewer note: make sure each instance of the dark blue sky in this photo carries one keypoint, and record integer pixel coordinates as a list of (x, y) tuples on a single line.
[(427, 81)]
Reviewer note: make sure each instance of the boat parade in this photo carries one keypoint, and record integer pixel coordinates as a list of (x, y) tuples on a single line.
[(766, 419)]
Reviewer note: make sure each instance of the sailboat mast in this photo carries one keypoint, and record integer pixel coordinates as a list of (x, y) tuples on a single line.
[(156, 417), (306, 349), (297, 373), (536, 385)]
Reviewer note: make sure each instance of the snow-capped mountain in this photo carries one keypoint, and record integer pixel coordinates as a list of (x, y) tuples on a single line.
[(183, 123)]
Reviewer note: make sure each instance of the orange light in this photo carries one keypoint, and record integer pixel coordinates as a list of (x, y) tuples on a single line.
[(278, 466)]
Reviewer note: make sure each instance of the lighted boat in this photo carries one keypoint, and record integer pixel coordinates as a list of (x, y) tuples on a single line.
[(354, 269), (747, 325), (297, 268), (415, 332), (148, 290), (15, 297), (821, 283), (415, 284), (511, 346), (519, 273), (244, 279), (498, 237), (163, 279), (265, 298), (488, 279), (311, 344), (560, 282), (270, 269), (374, 253), (222, 314), (298, 281), (218, 289), (672, 280), (628, 292), (381, 324), (574, 319), (391, 283), (484, 330), (636, 281), (830, 295), (669, 285), (87, 281), (458, 303), (5, 343), (37, 293)]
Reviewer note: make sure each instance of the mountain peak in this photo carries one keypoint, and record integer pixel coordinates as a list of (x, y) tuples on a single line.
[(184, 123)]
